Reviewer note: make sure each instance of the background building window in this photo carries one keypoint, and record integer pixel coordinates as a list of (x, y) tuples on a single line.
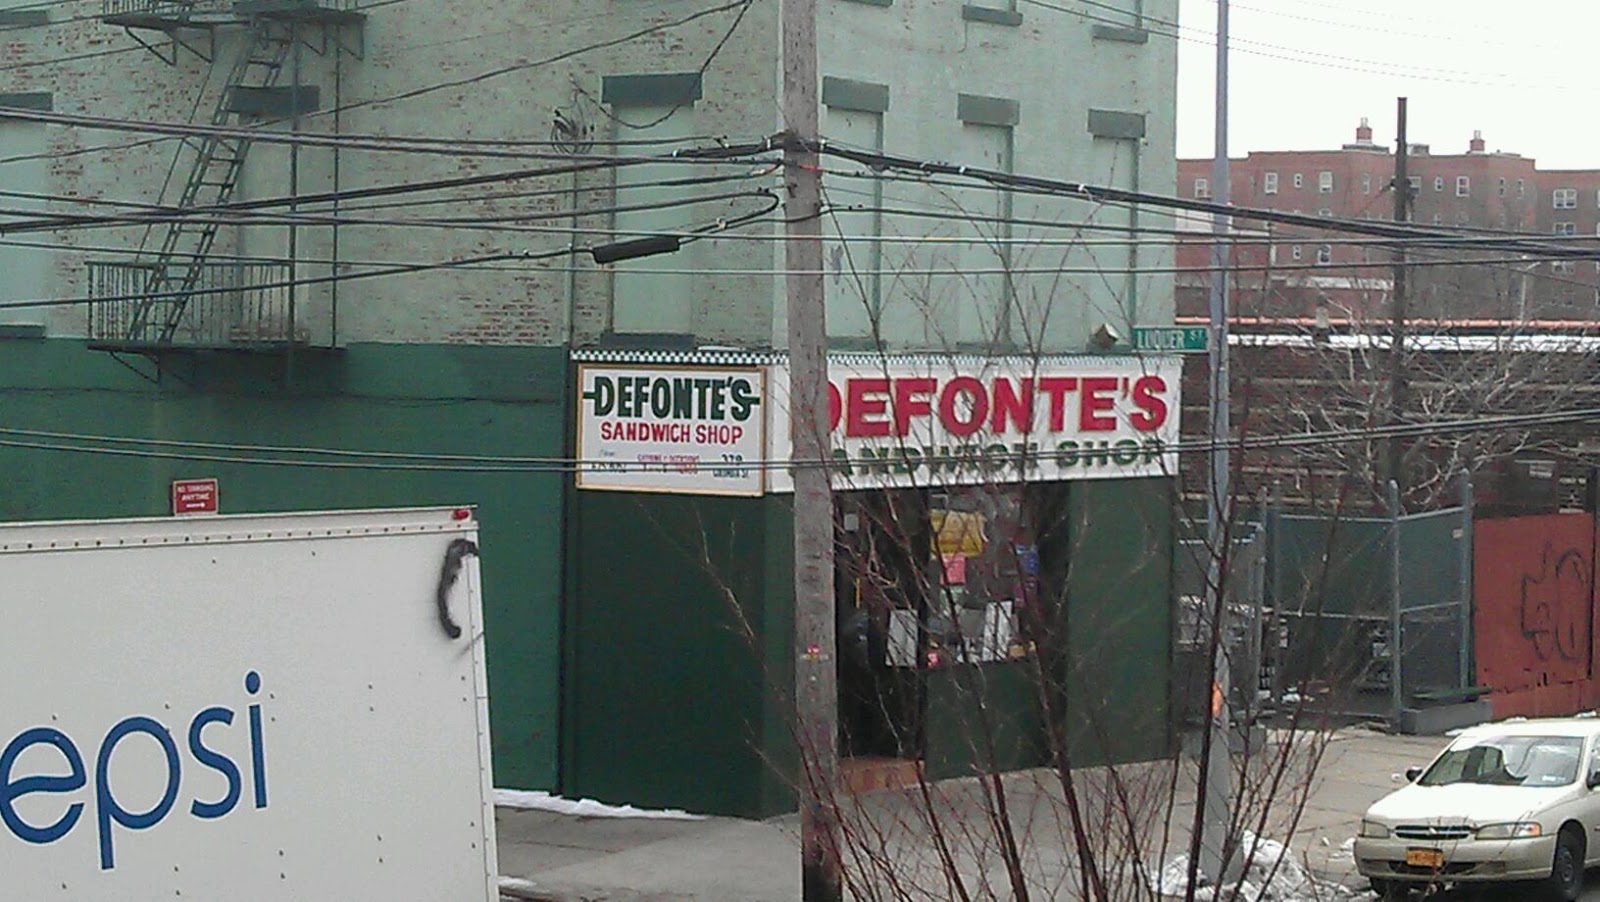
[(27, 269), (1366, 183), (655, 295), (855, 306), (1565, 228), (1325, 182), (1325, 254), (1438, 183), (1269, 183), (1463, 186), (1294, 252), (1522, 188), (1565, 198), (1202, 188), (1501, 188), (1299, 180)]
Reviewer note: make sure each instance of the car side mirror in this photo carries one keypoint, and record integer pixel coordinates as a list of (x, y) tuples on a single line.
[(1594, 780), (1412, 773)]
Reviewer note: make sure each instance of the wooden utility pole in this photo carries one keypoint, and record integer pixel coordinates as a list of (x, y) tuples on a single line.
[(816, 692), (1214, 814), (1397, 329)]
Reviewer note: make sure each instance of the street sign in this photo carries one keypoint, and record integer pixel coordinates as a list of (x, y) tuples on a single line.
[(1171, 339), (194, 496)]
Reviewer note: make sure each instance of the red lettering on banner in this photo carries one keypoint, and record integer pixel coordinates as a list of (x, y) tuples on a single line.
[(1056, 388), (835, 407), (912, 398), (978, 400), (1152, 412), (866, 398), (1012, 403), (1092, 404)]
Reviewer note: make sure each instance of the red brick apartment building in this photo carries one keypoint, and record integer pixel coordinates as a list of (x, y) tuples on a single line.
[(1290, 270), (1287, 278)]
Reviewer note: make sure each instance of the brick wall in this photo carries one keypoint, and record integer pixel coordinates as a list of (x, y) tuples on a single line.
[(409, 47)]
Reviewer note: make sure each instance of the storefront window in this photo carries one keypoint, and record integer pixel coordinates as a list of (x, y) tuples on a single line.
[(987, 574)]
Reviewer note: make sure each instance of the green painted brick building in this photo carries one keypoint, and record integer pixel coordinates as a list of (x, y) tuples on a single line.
[(618, 668)]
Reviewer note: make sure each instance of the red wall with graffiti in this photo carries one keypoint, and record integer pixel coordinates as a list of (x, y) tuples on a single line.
[(1534, 613)]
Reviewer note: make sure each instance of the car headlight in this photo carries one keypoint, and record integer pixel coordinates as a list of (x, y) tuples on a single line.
[(1373, 830), (1518, 830)]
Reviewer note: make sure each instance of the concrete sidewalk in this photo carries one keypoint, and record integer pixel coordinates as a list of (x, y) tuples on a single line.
[(545, 856)]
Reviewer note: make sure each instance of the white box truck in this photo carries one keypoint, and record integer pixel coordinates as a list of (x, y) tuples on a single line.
[(245, 708)]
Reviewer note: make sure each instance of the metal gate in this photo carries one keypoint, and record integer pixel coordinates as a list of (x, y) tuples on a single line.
[(1342, 588)]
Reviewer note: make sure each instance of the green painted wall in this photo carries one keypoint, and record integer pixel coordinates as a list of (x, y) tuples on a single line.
[(417, 398), (1111, 552), (667, 688), (669, 702), (1119, 588), (983, 719)]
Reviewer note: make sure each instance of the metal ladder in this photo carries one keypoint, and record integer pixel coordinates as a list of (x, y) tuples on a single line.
[(176, 267)]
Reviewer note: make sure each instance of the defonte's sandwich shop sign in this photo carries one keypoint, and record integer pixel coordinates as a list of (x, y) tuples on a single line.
[(898, 421), (695, 430), (970, 421)]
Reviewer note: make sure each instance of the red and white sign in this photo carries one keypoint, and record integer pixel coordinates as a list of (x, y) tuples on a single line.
[(194, 496), (687, 429), (929, 421)]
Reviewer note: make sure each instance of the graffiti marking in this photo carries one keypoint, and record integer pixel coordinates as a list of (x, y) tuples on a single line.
[(1555, 605)]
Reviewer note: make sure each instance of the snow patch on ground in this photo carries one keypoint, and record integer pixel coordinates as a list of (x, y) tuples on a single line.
[(1273, 876), (543, 801)]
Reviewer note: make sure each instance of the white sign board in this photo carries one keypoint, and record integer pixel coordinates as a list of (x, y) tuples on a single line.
[(265, 708), (930, 421), (694, 429)]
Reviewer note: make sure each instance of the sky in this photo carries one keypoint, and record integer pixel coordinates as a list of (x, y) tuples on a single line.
[(1304, 73)]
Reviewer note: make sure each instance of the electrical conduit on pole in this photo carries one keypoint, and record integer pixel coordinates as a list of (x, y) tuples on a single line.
[(1397, 694), (1464, 650)]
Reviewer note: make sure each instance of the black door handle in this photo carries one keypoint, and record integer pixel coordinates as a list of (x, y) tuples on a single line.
[(458, 551)]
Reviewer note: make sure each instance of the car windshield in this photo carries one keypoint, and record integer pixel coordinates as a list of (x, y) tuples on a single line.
[(1508, 761)]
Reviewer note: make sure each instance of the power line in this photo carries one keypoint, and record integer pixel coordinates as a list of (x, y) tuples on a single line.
[(431, 146), (348, 459), (699, 234), (1415, 235), (61, 221), (1350, 64), (741, 5)]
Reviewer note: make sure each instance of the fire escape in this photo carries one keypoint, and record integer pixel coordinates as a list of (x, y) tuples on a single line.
[(179, 295)]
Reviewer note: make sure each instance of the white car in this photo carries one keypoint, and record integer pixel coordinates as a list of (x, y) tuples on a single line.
[(1513, 801)]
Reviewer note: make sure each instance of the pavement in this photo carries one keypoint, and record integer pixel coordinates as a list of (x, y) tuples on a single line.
[(563, 858)]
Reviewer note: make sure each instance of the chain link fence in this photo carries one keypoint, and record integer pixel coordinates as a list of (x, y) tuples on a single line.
[(1340, 589)]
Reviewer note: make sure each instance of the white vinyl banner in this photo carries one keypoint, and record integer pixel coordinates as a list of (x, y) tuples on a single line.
[(930, 421), (658, 428)]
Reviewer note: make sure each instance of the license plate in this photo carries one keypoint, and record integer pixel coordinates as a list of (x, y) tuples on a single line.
[(1425, 858)]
